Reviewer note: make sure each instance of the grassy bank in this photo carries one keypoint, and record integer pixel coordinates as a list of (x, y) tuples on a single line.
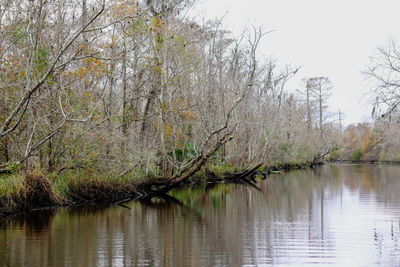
[(37, 189)]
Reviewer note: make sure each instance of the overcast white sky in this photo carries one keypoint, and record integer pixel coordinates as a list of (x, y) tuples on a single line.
[(333, 38)]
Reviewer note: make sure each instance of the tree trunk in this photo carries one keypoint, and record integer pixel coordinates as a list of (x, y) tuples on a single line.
[(155, 90), (320, 111), (124, 101), (4, 153), (308, 107)]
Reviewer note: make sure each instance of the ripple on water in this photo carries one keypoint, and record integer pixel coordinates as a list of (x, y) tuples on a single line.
[(335, 215)]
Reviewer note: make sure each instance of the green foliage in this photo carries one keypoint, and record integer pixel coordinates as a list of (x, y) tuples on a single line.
[(286, 146), (185, 153), (19, 34), (216, 156), (60, 185), (11, 189), (356, 156), (194, 197), (335, 154), (221, 169), (13, 168), (41, 61), (262, 168)]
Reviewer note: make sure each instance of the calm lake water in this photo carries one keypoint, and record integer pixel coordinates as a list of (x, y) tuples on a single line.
[(343, 215)]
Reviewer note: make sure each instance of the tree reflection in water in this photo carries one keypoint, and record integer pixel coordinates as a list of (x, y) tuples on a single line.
[(345, 214)]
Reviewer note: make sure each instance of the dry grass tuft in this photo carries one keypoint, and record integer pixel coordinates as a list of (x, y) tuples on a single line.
[(38, 191)]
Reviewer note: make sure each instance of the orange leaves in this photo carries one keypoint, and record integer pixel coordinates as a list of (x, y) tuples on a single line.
[(360, 142), (122, 8), (12, 66), (12, 75), (180, 107), (157, 23), (166, 129), (177, 116), (91, 66)]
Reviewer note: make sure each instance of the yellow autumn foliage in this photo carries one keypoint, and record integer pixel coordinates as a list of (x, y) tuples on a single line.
[(368, 141)]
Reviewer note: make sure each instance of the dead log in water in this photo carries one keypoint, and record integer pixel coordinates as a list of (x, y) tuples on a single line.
[(157, 187), (247, 173)]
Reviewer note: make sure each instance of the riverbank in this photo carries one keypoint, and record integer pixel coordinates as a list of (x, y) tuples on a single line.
[(37, 190), (365, 161)]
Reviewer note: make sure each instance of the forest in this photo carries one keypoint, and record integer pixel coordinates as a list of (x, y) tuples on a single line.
[(99, 97)]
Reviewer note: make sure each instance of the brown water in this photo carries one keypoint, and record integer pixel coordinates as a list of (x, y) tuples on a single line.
[(345, 215)]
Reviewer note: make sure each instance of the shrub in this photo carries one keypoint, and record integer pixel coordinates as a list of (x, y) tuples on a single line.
[(356, 156)]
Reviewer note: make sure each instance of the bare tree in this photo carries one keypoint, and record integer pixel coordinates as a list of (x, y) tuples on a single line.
[(384, 71), (320, 88), (114, 86)]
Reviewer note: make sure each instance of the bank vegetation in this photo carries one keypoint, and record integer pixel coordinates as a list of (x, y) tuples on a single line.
[(377, 140), (99, 99)]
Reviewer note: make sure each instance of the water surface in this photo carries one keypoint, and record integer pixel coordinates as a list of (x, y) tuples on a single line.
[(340, 215)]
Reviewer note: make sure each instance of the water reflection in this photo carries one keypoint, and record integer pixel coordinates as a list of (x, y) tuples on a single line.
[(344, 215)]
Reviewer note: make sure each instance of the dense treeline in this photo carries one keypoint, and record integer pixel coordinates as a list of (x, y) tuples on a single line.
[(136, 88), (379, 140)]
